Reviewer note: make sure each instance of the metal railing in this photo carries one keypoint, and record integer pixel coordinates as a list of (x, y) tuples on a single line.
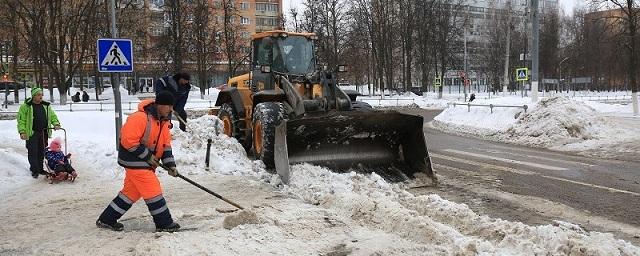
[(490, 106), (130, 105), (369, 100)]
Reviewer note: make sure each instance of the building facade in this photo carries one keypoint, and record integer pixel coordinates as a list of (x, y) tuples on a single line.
[(478, 16)]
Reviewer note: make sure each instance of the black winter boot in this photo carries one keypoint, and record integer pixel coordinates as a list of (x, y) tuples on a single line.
[(173, 227), (117, 226), (110, 216)]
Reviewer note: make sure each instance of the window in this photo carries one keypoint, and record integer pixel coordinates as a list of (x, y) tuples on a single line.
[(266, 7), (244, 21), (158, 2), (167, 19), (156, 31), (272, 22), (245, 34), (244, 6)]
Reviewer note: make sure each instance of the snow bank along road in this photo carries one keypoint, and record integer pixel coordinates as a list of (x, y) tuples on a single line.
[(536, 185)]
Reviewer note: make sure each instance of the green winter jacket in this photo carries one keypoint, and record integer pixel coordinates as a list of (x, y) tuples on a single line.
[(25, 117)]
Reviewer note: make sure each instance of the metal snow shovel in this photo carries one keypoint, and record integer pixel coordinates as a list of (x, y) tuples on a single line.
[(203, 188)]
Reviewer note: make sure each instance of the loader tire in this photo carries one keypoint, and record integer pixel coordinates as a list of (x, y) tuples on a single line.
[(231, 125), (266, 117)]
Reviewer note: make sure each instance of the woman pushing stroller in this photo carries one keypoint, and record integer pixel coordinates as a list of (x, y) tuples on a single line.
[(59, 163)]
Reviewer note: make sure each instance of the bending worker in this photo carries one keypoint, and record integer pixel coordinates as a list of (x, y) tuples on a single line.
[(179, 86), (144, 139)]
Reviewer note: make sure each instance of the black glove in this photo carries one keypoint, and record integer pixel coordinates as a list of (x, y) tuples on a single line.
[(173, 171), (153, 161)]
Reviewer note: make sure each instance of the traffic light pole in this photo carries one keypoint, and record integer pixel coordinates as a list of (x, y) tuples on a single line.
[(115, 85)]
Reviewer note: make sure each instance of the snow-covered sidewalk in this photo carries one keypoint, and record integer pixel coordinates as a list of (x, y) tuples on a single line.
[(558, 123), (319, 212)]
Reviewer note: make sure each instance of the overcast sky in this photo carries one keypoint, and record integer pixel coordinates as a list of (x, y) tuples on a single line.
[(567, 5)]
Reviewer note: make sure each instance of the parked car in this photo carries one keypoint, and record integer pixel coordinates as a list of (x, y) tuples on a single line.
[(417, 90)]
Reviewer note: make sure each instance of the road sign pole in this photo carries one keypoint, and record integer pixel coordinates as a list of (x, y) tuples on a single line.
[(115, 85)]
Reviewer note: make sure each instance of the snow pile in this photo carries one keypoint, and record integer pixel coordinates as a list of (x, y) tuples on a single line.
[(480, 120), (442, 225), (557, 123), (227, 157)]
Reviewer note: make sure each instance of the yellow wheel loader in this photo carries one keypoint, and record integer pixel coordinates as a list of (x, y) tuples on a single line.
[(288, 111)]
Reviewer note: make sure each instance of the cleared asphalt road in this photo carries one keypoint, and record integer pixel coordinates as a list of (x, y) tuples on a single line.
[(596, 188)]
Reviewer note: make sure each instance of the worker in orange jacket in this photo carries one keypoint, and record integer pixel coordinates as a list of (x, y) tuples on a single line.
[(144, 139)]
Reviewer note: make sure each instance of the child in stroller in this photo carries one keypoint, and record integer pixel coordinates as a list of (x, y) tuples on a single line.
[(58, 163)]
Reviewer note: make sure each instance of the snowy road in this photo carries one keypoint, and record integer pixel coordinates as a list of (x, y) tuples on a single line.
[(537, 185)]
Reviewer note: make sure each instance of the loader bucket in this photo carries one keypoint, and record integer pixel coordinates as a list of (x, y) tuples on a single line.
[(388, 143)]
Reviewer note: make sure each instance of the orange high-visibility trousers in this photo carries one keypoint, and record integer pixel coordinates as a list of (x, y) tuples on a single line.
[(141, 183)]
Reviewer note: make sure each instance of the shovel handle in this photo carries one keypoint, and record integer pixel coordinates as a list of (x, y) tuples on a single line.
[(209, 191), (203, 188)]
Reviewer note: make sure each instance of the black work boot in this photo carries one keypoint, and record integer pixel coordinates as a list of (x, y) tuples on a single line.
[(110, 216), (173, 227), (116, 226)]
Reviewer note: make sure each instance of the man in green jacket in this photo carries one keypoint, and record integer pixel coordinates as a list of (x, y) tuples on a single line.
[(34, 118)]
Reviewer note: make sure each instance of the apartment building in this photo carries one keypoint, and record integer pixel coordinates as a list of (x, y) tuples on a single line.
[(249, 17), (478, 13)]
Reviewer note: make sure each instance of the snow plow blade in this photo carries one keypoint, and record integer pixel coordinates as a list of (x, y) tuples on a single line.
[(388, 143)]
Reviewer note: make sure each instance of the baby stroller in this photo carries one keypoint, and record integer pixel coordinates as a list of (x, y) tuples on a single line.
[(63, 170)]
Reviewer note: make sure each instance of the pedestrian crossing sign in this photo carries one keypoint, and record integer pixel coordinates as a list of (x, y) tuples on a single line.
[(522, 74), (115, 55)]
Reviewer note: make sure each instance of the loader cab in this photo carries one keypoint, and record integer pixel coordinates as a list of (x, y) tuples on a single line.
[(283, 53)]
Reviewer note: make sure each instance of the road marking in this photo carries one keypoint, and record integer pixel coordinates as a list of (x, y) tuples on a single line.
[(521, 172), (545, 152), (539, 157), (480, 164), (591, 185), (535, 165)]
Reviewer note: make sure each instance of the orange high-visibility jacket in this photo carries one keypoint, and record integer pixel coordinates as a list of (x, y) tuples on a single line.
[(144, 134)]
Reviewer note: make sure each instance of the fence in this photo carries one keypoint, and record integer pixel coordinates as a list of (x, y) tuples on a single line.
[(397, 100), (490, 106), (108, 106)]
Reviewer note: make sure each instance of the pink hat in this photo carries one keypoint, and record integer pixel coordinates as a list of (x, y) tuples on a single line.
[(55, 143)]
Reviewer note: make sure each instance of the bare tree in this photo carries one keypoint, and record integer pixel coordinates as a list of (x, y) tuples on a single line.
[(408, 26), (235, 50), (447, 27), (204, 41), (176, 33), (549, 45), (59, 29), (494, 53), (629, 20)]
